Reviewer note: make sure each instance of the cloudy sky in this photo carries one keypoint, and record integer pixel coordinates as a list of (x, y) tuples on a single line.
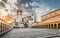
[(46, 6), (41, 7)]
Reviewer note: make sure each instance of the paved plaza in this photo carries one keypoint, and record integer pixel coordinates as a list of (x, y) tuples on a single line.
[(32, 33)]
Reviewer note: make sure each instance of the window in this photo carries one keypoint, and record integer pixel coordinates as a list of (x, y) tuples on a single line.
[(56, 14)]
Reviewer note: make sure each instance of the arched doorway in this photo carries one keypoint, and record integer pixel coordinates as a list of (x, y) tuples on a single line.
[(55, 26), (51, 26), (58, 25)]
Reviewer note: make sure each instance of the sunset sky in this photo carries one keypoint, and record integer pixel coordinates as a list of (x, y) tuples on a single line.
[(41, 7)]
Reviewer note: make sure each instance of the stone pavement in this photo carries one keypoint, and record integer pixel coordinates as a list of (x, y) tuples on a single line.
[(32, 33)]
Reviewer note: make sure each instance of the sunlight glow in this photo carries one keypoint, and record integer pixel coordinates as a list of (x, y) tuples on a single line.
[(7, 15), (0, 0)]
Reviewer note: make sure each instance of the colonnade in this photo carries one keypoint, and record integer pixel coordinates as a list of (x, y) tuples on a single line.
[(51, 26), (54, 26)]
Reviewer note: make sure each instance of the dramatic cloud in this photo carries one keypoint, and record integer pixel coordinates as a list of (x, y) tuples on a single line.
[(40, 7), (42, 10), (4, 0)]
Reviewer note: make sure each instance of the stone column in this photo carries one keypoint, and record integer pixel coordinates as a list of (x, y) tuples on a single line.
[(57, 25), (50, 26), (53, 26)]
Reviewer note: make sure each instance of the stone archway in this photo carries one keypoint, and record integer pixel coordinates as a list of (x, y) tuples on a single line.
[(55, 26), (58, 25), (51, 26)]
